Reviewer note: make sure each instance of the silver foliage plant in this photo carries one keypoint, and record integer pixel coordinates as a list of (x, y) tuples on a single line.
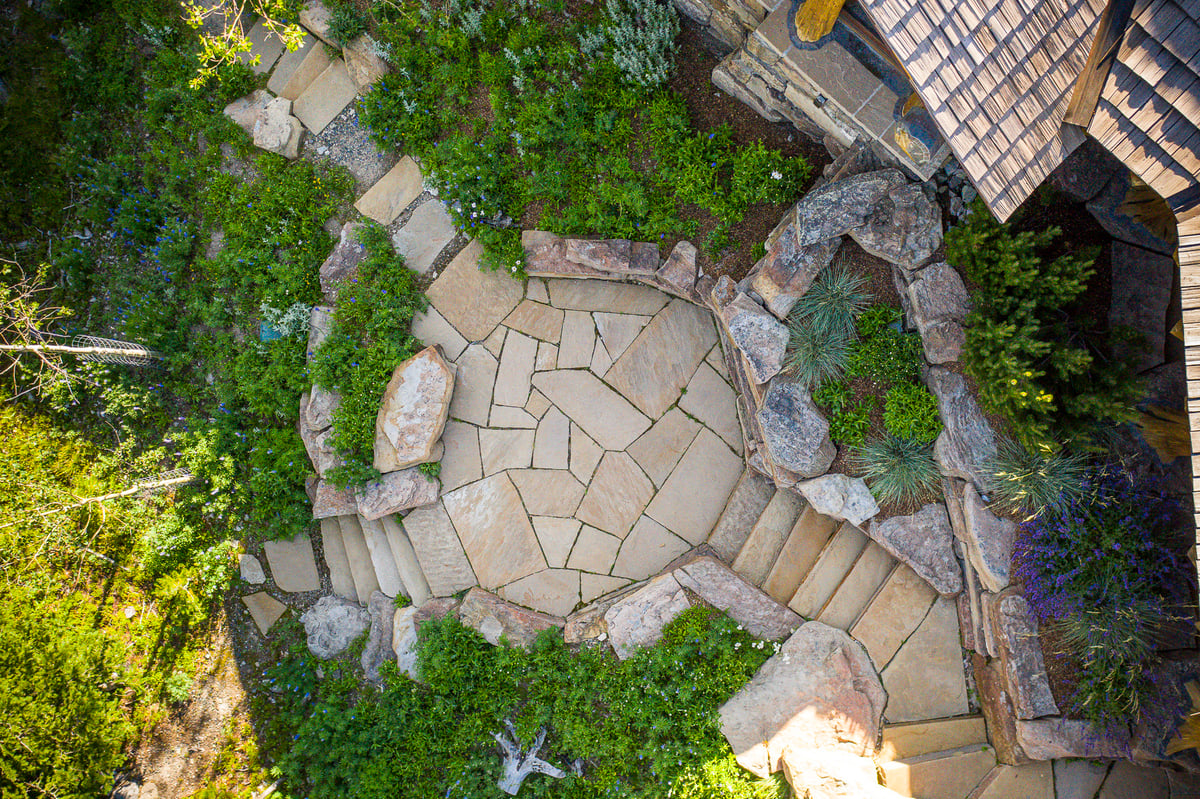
[(642, 33)]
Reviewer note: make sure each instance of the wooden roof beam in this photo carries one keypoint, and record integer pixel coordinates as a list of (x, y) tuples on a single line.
[(1109, 33)]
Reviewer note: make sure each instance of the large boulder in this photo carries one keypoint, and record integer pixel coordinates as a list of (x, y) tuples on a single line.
[(924, 541), (968, 441), (822, 774), (837, 208), (329, 500), (787, 270), (840, 496), (1021, 654), (819, 691), (269, 121), (1055, 737), (495, 619), (382, 609), (637, 619), (679, 272), (904, 229), (363, 62), (413, 412), (794, 431), (938, 304), (331, 625), (761, 338), (342, 263), (320, 325), (989, 539)]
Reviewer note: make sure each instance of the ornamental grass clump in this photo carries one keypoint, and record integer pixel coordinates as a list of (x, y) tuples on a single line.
[(899, 471), (1028, 481), (821, 325)]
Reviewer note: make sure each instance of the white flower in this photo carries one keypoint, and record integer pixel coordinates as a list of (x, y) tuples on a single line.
[(776, 175)]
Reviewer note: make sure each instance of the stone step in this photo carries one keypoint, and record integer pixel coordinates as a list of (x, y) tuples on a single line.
[(336, 559), (264, 45), (747, 502), (895, 612), (361, 567), (381, 557), (832, 566), (1030, 781), (296, 70), (800, 551), (950, 774), (415, 585), (325, 97), (861, 585), (766, 538), (914, 738)]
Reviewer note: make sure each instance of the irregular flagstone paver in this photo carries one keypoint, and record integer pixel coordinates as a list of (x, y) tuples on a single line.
[(547, 357), (494, 618), (516, 368), (537, 405), (899, 607), (952, 773), (413, 411), (746, 503), (535, 289), (647, 549), (494, 343), (557, 536), (381, 556), (657, 366), (594, 551), (432, 328), (925, 679), (553, 591), (495, 531), (578, 340), (397, 491), (661, 447), (424, 236), (637, 620), (264, 45), (505, 449), (325, 97), (721, 587), (1078, 777), (472, 300), (601, 360), (299, 68), (507, 416), (292, 564), (716, 359), (537, 320), (264, 609), (392, 193), (713, 402), (473, 380), (461, 463), (439, 551), (607, 417), (597, 585), (585, 454), (616, 495), (605, 296), (618, 331), (692, 498), (548, 492), (551, 443), (1036, 781)]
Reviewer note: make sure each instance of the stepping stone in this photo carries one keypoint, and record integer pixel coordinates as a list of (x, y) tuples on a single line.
[(616, 496), (264, 609), (800, 551), (473, 380), (461, 463), (381, 557), (661, 447), (897, 610), (594, 586), (547, 357), (585, 455), (577, 340), (325, 97), (954, 772), (516, 368), (932, 656), (415, 586), (335, 558), (537, 320), (692, 498), (1081, 778), (362, 568), (713, 402), (637, 621), (832, 566), (431, 327), (494, 618), (858, 588), (766, 539), (1036, 781), (747, 502), (392, 193), (548, 492), (553, 591), (557, 536), (495, 531), (922, 737), (296, 70), (265, 45), (594, 551), (363, 62), (657, 366), (607, 417), (473, 300), (605, 296), (292, 564), (1127, 780), (507, 416), (440, 553), (647, 549), (551, 443), (618, 331), (316, 17), (424, 236), (505, 449), (250, 570)]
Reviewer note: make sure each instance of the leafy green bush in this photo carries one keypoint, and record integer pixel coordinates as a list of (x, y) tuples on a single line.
[(899, 471), (346, 22), (886, 355), (910, 411), (1021, 480), (849, 422)]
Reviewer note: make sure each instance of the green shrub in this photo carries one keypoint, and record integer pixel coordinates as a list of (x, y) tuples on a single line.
[(899, 471), (910, 411), (849, 422), (1021, 480), (346, 22), (886, 355)]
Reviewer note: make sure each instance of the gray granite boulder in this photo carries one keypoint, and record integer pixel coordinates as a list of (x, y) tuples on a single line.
[(795, 433), (404, 641), (329, 500), (320, 325), (332, 624), (968, 441), (938, 304), (904, 229), (925, 541), (837, 208), (840, 496), (1021, 654), (761, 338), (382, 609), (1055, 736), (342, 263), (251, 570), (989, 541), (819, 691)]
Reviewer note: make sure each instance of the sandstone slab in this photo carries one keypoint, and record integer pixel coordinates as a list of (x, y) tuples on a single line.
[(358, 556), (923, 540), (265, 48), (431, 327), (1021, 653), (593, 586), (618, 331), (332, 624), (710, 399), (840, 496), (636, 621), (819, 691), (424, 236), (967, 442), (594, 551), (297, 69), (325, 97), (536, 319), (264, 609), (292, 564), (745, 504), (761, 338), (898, 609), (557, 536), (461, 463), (930, 657), (721, 587), (328, 500), (551, 443), (577, 340), (616, 495), (659, 449), (646, 550), (516, 368), (495, 531), (363, 62), (692, 498), (679, 272), (548, 492), (607, 417), (585, 454), (553, 591), (497, 620), (605, 296), (413, 411), (439, 551), (1078, 777), (822, 774), (795, 433), (473, 300), (397, 491), (475, 375), (392, 193)]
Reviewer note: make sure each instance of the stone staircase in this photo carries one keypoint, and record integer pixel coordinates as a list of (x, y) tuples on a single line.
[(368, 555), (943, 758)]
